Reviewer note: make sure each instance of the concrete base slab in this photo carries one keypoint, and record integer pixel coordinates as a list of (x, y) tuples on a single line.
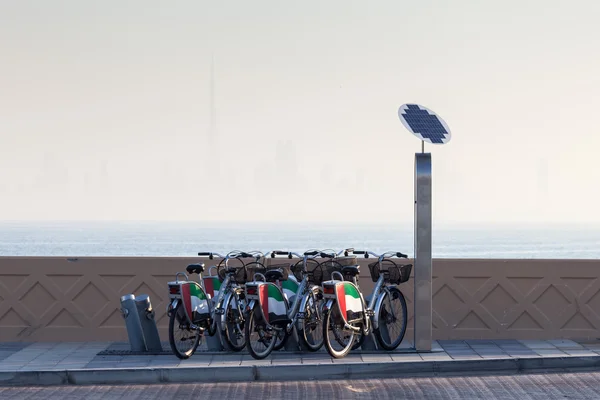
[(298, 371)]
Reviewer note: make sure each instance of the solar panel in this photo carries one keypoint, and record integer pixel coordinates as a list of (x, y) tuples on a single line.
[(424, 123)]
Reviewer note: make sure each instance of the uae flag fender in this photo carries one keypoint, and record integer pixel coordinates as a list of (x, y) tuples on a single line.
[(290, 287), (348, 300), (212, 284), (194, 300), (272, 302)]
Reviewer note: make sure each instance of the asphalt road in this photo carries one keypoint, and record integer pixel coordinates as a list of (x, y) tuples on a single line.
[(581, 385)]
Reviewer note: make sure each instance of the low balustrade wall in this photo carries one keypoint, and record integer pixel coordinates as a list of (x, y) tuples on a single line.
[(77, 299)]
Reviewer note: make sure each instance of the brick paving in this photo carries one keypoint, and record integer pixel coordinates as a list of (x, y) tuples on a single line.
[(582, 385)]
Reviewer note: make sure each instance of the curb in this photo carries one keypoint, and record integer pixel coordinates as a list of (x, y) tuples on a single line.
[(149, 375)]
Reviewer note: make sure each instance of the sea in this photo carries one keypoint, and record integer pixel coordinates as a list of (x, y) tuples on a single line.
[(159, 238)]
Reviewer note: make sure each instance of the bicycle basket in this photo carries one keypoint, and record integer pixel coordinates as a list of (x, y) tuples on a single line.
[(322, 272), (298, 268), (239, 276), (392, 272), (253, 268), (345, 261)]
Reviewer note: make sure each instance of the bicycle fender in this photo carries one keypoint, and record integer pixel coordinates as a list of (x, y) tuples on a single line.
[(378, 303), (328, 305), (228, 298), (301, 311), (223, 316), (172, 306), (250, 306)]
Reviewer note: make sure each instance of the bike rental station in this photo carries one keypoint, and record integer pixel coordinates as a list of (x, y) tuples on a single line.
[(265, 302)]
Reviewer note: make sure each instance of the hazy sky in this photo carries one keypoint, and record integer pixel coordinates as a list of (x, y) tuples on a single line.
[(105, 109)]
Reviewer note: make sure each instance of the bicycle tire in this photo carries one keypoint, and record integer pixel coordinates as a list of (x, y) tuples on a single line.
[(327, 321), (232, 321), (251, 319), (172, 320), (282, 338), (385, 315), (313, 311)]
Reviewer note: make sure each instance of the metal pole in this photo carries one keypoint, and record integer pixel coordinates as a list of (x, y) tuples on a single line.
[(422, 297), (148, 324), (132, 323)]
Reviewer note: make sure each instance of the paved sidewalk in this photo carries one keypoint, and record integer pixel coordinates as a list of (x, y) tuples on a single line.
[(79, 363)]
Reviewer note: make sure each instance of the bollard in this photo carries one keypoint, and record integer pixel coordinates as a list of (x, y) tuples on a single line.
[(369, 344), (293, 343), (132, 323), (148, 324), (214, 343)]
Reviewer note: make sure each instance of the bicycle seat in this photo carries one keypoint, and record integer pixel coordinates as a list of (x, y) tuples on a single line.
[(273, 275), (195, 268), (350, 270)]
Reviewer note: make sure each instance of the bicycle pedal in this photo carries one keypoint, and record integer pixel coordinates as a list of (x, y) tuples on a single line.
[(370, 313)]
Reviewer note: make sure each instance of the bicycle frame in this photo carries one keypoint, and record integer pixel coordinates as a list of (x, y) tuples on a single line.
[(330, 292), (229, 292), (371, 310), (225, 296), (302, 296), (377, 300), (181, 291)]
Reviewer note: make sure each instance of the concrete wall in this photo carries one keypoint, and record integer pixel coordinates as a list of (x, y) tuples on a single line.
[(60, 299)]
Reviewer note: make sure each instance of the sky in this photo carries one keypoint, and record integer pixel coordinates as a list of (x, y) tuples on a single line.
[(107, 110)]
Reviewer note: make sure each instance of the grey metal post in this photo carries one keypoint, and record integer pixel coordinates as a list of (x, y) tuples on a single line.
[(132, 323), (369, 343), (146, 315), (214, 343), (422, 296)]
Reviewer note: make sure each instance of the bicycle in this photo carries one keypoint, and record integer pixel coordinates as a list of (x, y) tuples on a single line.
[(193, 310), (347, 315), (268, 311)]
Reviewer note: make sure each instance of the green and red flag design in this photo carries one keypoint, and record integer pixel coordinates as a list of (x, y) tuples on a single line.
[(194, 301), (212, 284), (272, 302), (290, 287), (348, 300)]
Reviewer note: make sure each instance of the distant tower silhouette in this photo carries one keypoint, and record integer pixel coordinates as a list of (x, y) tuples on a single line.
[(212, 132), (213, 167)]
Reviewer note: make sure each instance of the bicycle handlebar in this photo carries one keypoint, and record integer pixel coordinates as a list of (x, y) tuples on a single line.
[(379, 256), (281, 253), (209, 255), (232, 254)]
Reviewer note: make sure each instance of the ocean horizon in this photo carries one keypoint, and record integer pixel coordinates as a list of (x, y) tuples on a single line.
[(187, 238)]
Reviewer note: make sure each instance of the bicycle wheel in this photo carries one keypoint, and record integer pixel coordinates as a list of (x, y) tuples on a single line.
[(392, 319), (234, 325), (338, 340), (311, 330), (260, 340), (185, 341), (282, 338), (359, 340)]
